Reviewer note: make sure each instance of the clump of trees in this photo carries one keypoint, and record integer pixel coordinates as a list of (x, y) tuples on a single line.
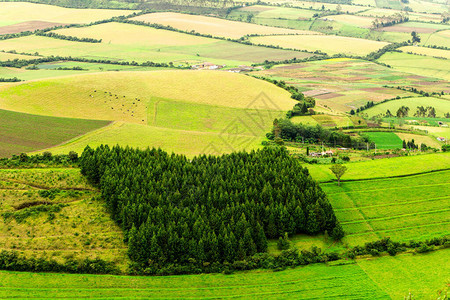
[(14, 79), (402, 112), (390, 20), (369, 104), (428, 111), (210, 209), (289, 131)]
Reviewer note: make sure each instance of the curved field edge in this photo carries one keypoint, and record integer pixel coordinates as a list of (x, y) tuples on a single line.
[(382, 168), (21, 132), (365, 278)]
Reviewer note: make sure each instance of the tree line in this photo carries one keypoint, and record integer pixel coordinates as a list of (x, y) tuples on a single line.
[(68, 37), (286, 130), (209, 209)]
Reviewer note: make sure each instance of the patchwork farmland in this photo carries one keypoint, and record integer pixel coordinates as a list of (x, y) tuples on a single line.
[(276, 150)]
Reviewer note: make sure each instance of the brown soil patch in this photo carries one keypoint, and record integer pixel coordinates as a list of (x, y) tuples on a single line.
[(329, 95), (416, 77), (258, 9), (292, 67), (425, 83), (408, 29), (314, 93), (27, 26)]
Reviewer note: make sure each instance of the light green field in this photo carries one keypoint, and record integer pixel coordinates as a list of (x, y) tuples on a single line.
[(413, 16), (416, 64), (213, 26), (81, 229), (435, 131), (407, 208), (270, 12), (125, 96), (441, 105), (427, 51), (385, 140), (379, 168), (304, 120), (324, 43), (365, 279), (16, 12)]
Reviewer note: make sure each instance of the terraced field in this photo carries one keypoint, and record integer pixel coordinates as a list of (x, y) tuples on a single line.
[(22, 132), (72, 227), (409, 208), (411, 273)]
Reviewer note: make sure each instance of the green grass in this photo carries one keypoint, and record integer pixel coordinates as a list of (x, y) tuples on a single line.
[(420, 65), (365, 279), (385, 140), (380, 168), (407, 208), (81, 229), (21, 132), (441, 105)]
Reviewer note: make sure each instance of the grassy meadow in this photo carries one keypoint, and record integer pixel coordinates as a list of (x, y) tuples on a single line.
[(25, 133), (427, 51), (77, 227), (417, 274), (385, 140)]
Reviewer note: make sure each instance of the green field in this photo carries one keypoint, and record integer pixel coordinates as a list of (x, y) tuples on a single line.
[(21, 132), (81, 229), (420, 65), (408, 208), (381, 168), (365, 279), (441, 105), (385, 140), (427, 51)]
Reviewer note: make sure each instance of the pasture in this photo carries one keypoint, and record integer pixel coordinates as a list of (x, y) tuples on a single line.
[(325, 43), (21, 132), (213, 26), (413, 273), (441, 105), (385, 140), (18, 12), (407, 208), (419, 139), (77, 228), (439, 38)]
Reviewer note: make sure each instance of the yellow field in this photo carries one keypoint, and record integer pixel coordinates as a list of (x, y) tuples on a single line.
[(427, 51), (214, 26), (325, 43), (128, 34), (18, 12), (88, 96)]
